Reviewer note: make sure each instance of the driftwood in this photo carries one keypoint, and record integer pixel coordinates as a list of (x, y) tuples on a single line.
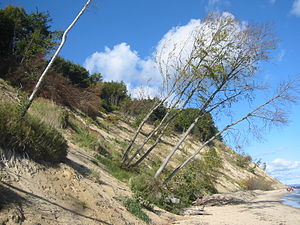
[(193, 211), (225, 199)]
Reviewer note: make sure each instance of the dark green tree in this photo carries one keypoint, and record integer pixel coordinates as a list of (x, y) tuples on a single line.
[(113, 93), (24, 37), (76, 73), (204, 129)]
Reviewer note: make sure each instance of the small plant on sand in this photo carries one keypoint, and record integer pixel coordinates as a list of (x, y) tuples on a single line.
[(114, 168), (82, 204), (135, 208), (83, 136)]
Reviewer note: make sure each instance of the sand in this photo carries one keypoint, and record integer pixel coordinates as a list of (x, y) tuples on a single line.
[(265, 209)]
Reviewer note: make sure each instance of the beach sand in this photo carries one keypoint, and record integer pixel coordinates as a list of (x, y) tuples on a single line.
[(265, 209)]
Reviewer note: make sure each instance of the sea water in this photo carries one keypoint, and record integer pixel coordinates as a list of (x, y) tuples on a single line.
[(292, 199)]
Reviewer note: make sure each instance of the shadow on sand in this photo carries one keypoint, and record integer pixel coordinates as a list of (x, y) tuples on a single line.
[(7, 186)]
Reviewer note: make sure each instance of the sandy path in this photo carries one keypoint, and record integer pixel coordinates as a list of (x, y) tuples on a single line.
[(265, 209)]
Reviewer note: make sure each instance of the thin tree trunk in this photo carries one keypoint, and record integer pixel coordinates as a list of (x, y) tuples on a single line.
[(162, 121), (126, 153), (205, 105), (64, 37), (281, 93), (184, 136)]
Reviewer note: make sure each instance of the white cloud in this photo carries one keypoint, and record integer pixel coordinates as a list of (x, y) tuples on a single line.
[(280, 164), (285, 171), (296, 8), (122, 64), (140, 75)]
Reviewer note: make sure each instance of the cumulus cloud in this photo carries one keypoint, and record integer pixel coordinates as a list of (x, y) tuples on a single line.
[(284, 170), (280, 164), (141, 75), (296, 8), (123, 64)]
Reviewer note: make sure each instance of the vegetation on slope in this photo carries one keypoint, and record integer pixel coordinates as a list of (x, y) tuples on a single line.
[(30, 136), (71, 85)]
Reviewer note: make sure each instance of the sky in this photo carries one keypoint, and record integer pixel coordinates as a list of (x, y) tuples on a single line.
[(119, 39)]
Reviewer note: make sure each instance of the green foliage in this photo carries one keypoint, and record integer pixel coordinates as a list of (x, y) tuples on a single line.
[(204, 129), (76, 73), (115, 168), (138, 108), (243, 160), (189, 184), (82, 204), (30, 136), (135, 208), (23, 37), (113, 93), (94, 79)]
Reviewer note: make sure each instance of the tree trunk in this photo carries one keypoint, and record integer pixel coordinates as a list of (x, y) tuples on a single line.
[(64, 37), (163, 120), (252, 113)]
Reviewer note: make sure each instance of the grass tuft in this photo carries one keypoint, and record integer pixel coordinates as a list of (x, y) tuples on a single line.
[(135, 208), (30, 136)]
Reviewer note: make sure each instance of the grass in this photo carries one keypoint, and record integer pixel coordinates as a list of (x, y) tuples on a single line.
[(49, 112), (83, 137), (114, 168), (135, 208), (83, 205), (30, 136)]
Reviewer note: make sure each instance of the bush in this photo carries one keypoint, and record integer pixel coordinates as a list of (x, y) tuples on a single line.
[(30, 136), (135, 208), (243, 161), (256, 183)]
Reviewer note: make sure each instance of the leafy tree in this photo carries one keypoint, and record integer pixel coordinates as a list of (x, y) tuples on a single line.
[(23, 37), (204, 129), (76, 73), (94, 79), (113, 93)]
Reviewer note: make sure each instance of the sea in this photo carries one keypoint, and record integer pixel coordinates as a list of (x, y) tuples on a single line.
[(293, 198)]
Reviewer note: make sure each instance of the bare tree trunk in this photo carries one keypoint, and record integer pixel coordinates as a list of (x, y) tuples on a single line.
[(281, 94), (154, 131), (64, 37), (187, 132), (126, 153)]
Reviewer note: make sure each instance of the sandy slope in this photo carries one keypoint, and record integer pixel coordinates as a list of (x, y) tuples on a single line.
[(74, 192), (265, 209)]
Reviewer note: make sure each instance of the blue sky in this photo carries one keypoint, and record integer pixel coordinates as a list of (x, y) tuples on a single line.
[(118, 38)]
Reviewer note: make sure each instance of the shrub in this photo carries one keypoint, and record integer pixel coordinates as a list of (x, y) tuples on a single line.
[(30, 136), (256, 183), (243, 161), (135, 208)]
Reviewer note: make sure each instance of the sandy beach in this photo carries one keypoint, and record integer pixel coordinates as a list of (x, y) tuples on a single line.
[(265, 209)]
